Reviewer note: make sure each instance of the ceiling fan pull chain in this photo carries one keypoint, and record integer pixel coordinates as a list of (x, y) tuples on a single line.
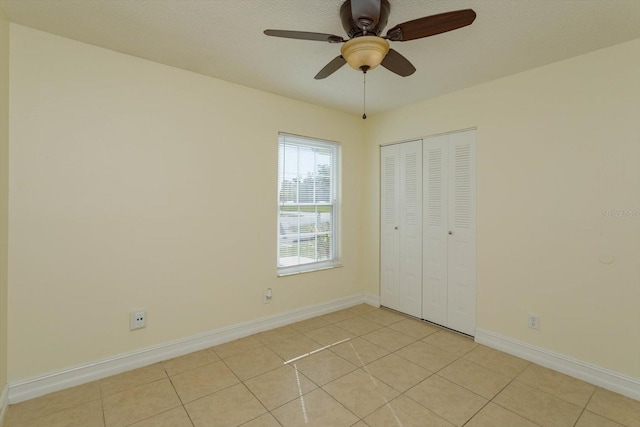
[(364, 95)]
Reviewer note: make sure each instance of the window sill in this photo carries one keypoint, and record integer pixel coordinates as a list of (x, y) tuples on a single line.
[(299, 270)]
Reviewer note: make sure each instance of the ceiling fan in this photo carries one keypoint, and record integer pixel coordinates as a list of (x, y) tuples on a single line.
[(364, 20)]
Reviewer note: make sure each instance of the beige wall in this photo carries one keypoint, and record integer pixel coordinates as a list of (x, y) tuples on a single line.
[(557, 146), (4, 191), (136, 185)]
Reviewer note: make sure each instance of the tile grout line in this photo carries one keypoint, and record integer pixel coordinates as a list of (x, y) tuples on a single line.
[(468, 389), (340, 403), (600, 415), (184, 408), (436, 373), (511, 380), (255, 397), (104, 416), (266, 372), (537, 390), (551, 393), (495, 371)]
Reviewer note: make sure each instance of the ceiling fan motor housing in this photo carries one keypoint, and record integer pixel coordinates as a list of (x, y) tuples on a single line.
[(360, 27)]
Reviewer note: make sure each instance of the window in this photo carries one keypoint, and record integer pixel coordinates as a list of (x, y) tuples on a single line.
[(308, 186)]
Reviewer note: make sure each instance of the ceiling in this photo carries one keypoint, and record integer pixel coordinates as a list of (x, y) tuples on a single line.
[(223, 39)]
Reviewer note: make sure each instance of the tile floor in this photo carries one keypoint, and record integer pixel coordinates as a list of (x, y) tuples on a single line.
[(357, 367)]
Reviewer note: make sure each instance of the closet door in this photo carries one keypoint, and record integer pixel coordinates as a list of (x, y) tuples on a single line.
[(389, 223), (462, 233), (449, 231), (410, 228), (401, 227), (435, 231)]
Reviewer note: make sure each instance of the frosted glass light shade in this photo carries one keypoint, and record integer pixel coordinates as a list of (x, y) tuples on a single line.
[(368, 51)]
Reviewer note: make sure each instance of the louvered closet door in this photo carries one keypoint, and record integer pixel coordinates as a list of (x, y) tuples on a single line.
[(435, 237), (449, 237), (389, 223), (462, 237), (410, 228), (401, 227)]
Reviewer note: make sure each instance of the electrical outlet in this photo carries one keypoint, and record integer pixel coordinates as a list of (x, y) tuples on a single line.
[(137, 319), (268, 295), (534, 321)]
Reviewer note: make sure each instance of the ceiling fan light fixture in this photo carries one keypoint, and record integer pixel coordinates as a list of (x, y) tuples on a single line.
[(365, 51)]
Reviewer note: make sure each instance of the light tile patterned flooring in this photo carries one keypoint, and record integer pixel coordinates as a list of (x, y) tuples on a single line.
[(356, 367)]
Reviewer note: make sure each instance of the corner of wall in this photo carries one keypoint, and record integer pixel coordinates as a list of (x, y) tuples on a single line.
[(4, 201)]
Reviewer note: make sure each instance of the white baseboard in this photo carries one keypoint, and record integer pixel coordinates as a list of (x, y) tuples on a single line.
[(55, 381), (596, 375), (4, 403), (371, 299)]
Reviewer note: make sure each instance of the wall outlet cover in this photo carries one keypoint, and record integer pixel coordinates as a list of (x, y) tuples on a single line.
[(137, 319), (534, 321)]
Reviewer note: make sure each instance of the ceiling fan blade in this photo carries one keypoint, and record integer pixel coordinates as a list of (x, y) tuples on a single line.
[(431, 25), (331, 67), (398, 64), (305, 35), (365, 13)]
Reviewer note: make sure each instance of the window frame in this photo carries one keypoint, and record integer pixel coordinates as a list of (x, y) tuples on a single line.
[(336, 184)]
